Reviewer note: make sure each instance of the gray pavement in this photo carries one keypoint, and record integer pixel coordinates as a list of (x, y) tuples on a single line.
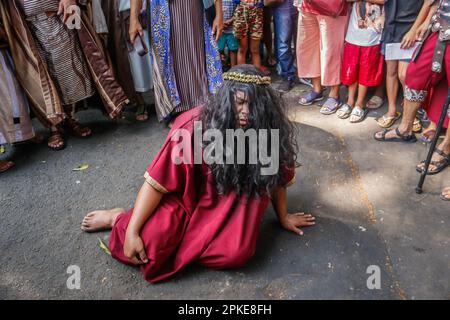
[(361, 191)]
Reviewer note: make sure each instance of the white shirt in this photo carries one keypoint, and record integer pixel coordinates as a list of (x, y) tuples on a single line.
[(370, 36)]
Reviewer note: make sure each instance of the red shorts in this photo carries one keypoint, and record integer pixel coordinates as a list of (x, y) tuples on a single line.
[(363, 65), (420, 77)]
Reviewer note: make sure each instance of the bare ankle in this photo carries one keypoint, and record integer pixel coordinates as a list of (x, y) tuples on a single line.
[(115, 213)]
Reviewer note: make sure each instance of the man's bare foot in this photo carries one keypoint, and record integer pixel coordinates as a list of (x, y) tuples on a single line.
[(100, 220), (446, 194)]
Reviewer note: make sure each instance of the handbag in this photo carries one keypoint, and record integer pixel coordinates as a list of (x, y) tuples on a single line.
[(331, 8), (269, 3)]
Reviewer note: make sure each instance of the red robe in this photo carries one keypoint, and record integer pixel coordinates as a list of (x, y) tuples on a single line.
[(193, 222), (436, 101)]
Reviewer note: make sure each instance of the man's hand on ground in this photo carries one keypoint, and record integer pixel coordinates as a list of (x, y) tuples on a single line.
[(293, 222)]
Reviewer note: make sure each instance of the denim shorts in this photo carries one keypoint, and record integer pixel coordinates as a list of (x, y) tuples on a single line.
[(228, 40)]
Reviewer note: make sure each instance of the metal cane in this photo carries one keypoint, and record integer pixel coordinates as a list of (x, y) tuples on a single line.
[(445, 109)]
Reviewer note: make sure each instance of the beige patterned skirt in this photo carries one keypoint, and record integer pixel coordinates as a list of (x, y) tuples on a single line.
[(60, 49), (15, 123)]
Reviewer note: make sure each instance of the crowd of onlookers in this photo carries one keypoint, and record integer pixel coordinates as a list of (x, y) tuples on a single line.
[(366, 46)]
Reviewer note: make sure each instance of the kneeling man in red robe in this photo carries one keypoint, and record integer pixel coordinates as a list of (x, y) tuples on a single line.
[(206, 192)]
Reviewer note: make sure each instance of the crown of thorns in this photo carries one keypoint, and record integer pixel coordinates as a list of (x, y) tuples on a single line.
[(247, 78)]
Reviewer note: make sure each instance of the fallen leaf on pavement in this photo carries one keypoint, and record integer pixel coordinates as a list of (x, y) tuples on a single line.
[(81, 167), (103, 246)]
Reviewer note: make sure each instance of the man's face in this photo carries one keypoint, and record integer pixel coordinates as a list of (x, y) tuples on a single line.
[(242, 109)]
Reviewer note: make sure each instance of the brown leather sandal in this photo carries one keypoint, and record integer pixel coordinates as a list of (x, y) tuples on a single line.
[(439, 165), (5, 166), (56, 138), (76, 129), (142, 113)]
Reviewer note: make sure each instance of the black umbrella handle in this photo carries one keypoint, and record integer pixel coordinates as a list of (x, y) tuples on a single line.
[(419, 188)]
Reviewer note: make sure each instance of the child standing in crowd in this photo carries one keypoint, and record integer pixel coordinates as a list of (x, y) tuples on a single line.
[(228, 39), (320, 47), (403, 17), (363, 62), (248, 29)]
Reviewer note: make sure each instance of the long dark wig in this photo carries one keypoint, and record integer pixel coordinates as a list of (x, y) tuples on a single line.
[(267, 111)]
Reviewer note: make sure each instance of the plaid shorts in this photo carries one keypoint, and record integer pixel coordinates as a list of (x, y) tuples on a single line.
[(248, 21)]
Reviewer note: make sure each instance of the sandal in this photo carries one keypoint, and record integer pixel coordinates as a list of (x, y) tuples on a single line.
[(344, 111), (330, 106), (427, 136), (410, 138), (142, 113), (76, 129), (5, 166), (417, 125), (55, 138), (440, 165), (358, 114), (310, 98), (375, 102), (445, 195), (387, 121)]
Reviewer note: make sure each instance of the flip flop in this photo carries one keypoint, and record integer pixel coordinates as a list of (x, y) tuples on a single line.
[(417, 126), (330, 106), (427, 136), (375, 102), (387, 121), (344, 111), (358, 114), (443, 194), (410, 138), (311, 97)]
